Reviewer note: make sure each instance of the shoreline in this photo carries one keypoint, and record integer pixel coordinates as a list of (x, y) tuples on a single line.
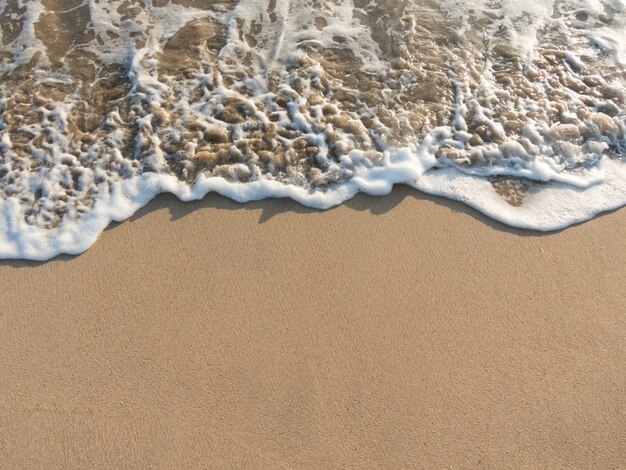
[(398, 331)]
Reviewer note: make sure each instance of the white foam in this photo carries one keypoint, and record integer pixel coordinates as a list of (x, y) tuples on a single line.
[(554, 207), (575, 178)]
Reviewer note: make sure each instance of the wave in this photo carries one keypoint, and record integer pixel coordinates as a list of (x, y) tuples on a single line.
[(515, 109)]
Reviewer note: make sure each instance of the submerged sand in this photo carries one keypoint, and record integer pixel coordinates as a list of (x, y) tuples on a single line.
[(315, 99), (398, 332)]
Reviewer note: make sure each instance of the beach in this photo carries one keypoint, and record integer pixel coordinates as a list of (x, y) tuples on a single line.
[(398, 332), (316, 303), (517, 109)]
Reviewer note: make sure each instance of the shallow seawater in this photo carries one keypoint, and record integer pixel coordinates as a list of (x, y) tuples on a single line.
[(516, 108)]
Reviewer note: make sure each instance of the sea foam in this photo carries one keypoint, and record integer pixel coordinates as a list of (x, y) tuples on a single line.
[(514, 108)]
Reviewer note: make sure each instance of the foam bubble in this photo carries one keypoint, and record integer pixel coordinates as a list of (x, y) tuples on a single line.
[(515, 108)]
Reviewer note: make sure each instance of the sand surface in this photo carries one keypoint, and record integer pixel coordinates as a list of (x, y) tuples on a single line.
[(397, 332)]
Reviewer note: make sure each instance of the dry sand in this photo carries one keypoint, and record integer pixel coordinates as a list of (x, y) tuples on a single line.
[(397, 332)]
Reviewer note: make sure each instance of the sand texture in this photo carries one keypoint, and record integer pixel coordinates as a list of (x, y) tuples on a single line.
[(397, 332)]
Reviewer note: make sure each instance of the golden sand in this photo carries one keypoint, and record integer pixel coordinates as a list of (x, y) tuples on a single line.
[(397, 332)]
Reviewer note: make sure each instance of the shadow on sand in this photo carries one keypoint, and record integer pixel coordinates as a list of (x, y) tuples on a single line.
[(272, 207)]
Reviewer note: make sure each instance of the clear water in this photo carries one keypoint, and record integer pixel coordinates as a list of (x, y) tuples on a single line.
[(514, 107)]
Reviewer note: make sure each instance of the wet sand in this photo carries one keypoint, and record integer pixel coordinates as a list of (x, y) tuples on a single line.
[(314, 99), (397, 332)]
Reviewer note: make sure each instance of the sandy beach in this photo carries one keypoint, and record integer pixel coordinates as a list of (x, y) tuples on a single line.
[(397, 332)]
